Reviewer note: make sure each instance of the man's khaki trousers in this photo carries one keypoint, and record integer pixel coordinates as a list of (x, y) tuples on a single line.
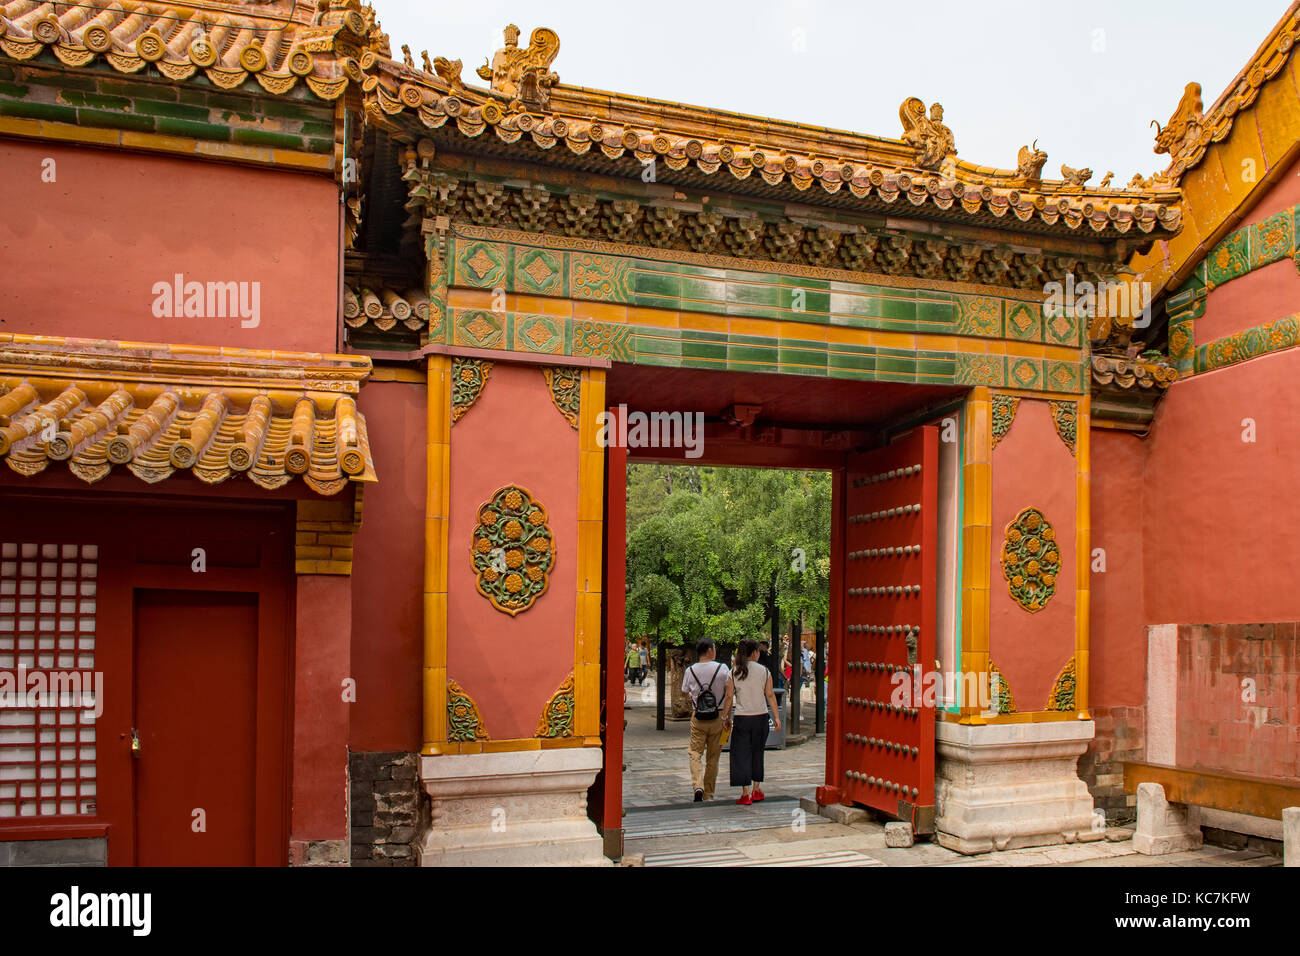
[(706, 743)]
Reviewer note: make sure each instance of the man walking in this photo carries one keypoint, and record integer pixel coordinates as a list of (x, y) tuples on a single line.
[(708, 683), (633, 663)]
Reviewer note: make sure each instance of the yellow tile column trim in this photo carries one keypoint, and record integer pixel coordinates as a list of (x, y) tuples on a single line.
[(1083, 559), (977, 521), (591, 536), (437, 517)]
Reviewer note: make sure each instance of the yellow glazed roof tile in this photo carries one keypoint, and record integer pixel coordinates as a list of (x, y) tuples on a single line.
[(157, 410), (227, 41)]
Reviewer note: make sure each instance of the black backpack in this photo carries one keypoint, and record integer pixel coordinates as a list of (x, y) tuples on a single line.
[(706, 705)]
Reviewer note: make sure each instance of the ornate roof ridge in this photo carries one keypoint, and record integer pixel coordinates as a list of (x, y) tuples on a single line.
[(21, 352), (319, 41), (584, 119), (1190, 132)]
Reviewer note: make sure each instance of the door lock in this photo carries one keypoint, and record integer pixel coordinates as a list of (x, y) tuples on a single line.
[(135, 743)]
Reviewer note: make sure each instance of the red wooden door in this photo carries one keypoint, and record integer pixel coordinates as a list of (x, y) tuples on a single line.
[(883, 732), (196, 721)]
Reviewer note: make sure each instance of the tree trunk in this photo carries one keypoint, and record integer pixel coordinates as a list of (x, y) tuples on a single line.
[(660, 654), (677, 664)]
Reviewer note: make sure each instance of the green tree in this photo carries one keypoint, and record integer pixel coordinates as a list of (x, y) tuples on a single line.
[(715, 551)]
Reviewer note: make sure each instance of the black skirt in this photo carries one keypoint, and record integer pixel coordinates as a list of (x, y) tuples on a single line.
[(748, 737)]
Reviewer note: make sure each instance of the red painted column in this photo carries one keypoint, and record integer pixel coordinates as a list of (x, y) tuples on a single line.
[(835, 640), (615, 591), (322, 661)]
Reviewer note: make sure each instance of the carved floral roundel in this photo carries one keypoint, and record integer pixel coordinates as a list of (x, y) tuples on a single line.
[(513, 550), (1031, 559)]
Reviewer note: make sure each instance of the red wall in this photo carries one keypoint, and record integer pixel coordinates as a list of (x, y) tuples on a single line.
[(1032, 467), (81, 254), (1117, 624), (1221, 516), (1217, 728), (512, 665), (388, 573)]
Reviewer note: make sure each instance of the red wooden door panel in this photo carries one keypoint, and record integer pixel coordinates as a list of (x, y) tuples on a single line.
[(883, 732), (196, 717)]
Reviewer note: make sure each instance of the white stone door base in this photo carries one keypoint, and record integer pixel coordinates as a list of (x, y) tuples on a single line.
[(1005, 786), (525, 808)]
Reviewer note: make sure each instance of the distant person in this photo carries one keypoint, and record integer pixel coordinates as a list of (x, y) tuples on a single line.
[(633, 662), (805, 663), (645, 661), (753, 698), (709, 686)]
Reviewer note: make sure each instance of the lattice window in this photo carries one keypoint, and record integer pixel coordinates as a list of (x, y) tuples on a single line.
[(47, 642)]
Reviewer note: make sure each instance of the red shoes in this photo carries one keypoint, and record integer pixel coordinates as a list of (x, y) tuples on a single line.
[(744, 801), (757, 795)]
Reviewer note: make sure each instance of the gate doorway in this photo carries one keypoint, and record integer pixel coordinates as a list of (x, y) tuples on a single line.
[(798, 422)]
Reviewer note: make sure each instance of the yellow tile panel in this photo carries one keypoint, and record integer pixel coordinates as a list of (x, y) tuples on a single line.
[(805, 331), (586, 695), (698, 321), (20, 127), (1277, 118), (435, 705), (591, 544), (86, 134), (600, 312), (765, 327), (976, 543)]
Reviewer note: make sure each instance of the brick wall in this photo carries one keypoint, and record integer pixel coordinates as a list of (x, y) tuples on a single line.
[(1221, 667), (388, 809), (248, 126), (1121, 736)]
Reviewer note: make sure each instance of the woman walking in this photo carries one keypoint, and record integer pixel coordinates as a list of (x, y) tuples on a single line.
[(751, 700)]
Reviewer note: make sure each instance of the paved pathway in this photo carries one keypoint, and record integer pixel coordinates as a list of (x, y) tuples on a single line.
[(663, 828)]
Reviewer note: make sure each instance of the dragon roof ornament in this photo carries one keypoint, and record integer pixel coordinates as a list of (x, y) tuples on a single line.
[(1191, 129)]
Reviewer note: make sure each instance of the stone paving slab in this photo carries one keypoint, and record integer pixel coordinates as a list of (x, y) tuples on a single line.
[(715, 817), (658, 776), (729, 857)]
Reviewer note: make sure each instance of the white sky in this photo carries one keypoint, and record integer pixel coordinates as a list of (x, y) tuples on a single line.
[(1085, 78)]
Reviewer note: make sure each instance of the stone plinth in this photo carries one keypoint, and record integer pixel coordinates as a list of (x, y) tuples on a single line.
[(1291, 836), (1164, 827), (1004, 786), (525, 808)]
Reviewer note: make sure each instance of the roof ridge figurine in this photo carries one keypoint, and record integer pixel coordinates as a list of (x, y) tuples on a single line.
[(1184, 126), (932, 140), (524, 76), (1029, 164)]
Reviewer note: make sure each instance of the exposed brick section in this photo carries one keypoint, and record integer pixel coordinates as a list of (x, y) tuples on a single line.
[(323, 538), (1121, 737), (318, 853), (104, 100), (1239, 699), (388, 811)]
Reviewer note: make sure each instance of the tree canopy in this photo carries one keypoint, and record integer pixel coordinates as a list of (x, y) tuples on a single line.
[(711, 551)]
